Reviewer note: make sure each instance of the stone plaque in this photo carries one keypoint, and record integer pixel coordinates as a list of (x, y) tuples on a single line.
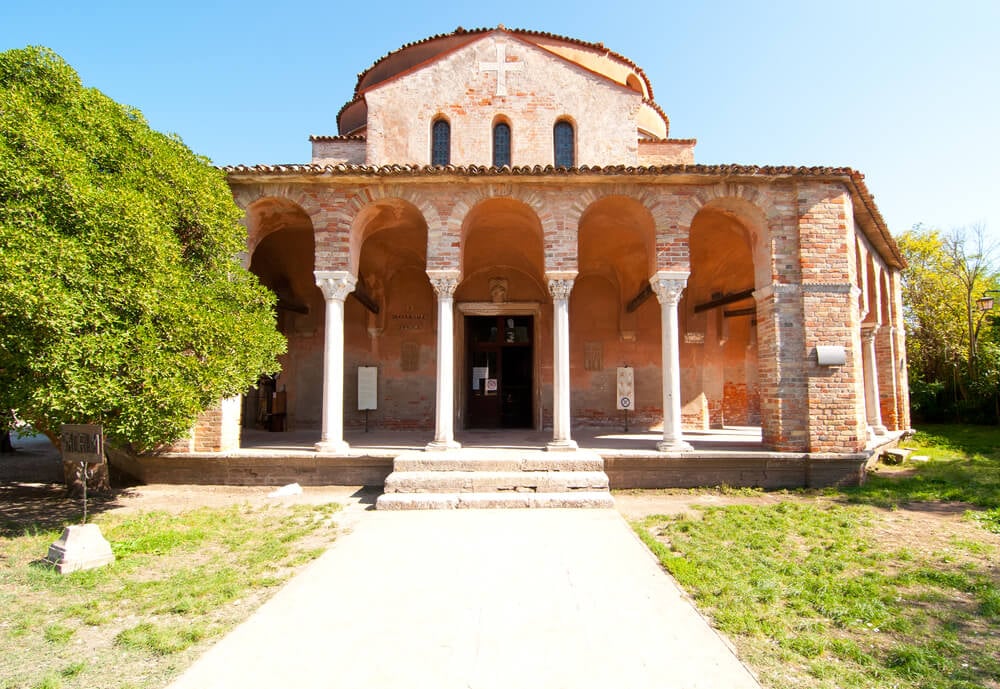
[(83, 443), (593, 356), (410, 356)]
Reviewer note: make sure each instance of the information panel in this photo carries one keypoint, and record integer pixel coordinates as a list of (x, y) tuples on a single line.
[(367, 387), (626, 387)]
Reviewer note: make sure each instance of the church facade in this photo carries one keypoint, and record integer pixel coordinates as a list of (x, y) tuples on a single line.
[(502, 225)]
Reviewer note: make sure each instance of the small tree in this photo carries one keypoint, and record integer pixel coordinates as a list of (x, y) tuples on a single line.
[(948, 360), (121, 299), (971, 258)]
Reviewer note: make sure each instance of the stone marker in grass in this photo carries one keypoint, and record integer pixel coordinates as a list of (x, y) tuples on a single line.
[(81, 546)]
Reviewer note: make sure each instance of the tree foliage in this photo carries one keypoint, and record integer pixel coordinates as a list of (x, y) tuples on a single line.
[(121, 298), (952, 345)]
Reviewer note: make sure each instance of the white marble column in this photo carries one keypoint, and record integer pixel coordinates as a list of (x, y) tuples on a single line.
[(560, 286), (444, 283), (668, 286), (336, 285), (873, 405)]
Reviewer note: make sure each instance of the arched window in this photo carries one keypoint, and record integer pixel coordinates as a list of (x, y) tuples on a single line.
[(441, 143), (562, 137), (501, 144)]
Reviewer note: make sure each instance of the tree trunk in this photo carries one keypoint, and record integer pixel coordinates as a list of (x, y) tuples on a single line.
[(98, 480)]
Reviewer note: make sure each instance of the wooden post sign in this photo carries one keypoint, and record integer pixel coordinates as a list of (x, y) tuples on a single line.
[(83, 443)]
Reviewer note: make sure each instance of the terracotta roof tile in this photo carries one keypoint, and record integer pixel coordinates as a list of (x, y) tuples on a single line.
[(338, 137)]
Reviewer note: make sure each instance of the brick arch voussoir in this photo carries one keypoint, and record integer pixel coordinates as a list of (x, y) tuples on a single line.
[(703, 196), (245, 198)]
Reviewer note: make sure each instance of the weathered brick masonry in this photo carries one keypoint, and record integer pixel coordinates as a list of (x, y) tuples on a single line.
[(773, 262)]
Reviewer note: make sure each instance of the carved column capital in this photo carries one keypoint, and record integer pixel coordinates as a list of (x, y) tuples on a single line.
[(335, 284), (668, 286), (868, 332), (444, 282), (560, 288)]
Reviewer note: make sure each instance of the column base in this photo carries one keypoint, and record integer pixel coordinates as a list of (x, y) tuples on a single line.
[(332, 447), (878, 430), (677, 445), (561, 445), (441, 445)]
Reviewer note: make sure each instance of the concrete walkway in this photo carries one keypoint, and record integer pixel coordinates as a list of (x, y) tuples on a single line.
[(533, 599)]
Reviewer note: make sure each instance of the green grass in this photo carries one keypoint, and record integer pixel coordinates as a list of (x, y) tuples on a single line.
[(806, 589), (964, 467), (817, 591), (178, 582)]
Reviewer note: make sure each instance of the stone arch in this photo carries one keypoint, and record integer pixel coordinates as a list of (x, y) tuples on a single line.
[(718, 313), (501, 232), (873, 294), (268, 213), (446, 249), (744, 203), (614, 319), (617, 233), (389, 317), (281, 247), (886, 297), (374, 208)]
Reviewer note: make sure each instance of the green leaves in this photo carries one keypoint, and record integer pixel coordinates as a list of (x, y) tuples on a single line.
[(120, 298)]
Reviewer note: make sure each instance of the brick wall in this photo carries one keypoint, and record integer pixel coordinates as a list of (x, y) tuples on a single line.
[(604, 115)]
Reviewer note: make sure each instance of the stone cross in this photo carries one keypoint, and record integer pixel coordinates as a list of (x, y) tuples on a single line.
[(501, 67)]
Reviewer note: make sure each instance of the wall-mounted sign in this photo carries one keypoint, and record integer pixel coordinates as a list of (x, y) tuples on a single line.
[(626, 387), (479, 374)]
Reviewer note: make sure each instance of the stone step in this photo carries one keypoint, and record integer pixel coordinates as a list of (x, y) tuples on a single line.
[(895, 455), (495, 481), (445, 501), (498, 460)]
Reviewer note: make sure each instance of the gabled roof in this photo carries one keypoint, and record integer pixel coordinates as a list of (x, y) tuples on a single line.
[(412, 55), (426, 48)]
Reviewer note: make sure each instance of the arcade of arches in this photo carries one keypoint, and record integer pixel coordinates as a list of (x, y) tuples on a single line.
[(508, 313)]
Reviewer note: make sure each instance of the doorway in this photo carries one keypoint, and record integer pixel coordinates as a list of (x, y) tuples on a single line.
[(499, 371)]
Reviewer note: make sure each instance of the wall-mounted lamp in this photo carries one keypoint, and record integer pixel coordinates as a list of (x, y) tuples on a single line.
[(985, 302)]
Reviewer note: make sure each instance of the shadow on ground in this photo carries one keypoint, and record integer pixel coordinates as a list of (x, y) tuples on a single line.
[(47, 507)]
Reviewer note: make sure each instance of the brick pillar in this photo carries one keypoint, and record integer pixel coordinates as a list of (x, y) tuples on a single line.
[(668, 286), (336, 285), (899, 353), (444, 283), (835, 409), (888, 386), (781, 379)]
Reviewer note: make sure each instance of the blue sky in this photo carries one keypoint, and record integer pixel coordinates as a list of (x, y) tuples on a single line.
[(908, 93)]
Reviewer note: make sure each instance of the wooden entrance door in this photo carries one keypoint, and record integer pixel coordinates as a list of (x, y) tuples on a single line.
[(499, 372)]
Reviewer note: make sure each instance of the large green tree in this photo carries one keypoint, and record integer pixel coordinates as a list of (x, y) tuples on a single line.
[(121, 298)]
